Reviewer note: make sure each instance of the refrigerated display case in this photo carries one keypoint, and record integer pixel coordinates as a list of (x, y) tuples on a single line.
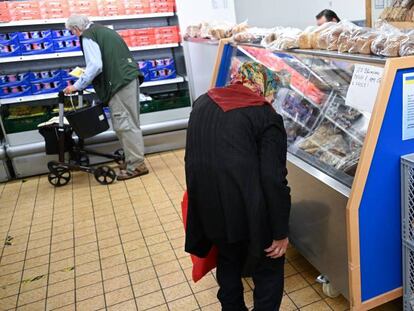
[(343, 165)]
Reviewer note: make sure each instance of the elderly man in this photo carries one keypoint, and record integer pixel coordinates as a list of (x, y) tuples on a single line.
[(114, 75), (238, 197)]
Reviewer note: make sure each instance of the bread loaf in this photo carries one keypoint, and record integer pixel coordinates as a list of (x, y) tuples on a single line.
[(407, 45), (316, 34), (305, 38), (344, 41)]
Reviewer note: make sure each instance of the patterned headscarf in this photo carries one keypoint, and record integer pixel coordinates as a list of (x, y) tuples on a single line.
[(258, 78)]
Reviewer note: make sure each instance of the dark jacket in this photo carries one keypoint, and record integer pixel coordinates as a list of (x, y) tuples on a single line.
[(118, 65), (236, 172)]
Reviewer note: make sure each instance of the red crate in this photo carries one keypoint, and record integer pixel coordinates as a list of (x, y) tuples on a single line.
[(143, 32), (4, 12), (54, 4), (50, 13), (141, 40), (20, 14), (23, 5)]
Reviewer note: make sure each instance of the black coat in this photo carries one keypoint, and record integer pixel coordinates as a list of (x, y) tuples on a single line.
[(235, 165)]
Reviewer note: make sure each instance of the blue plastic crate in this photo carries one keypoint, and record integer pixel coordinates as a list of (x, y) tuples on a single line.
[(144, 65), (161, 63), (68, 81), (66, 45), (15, 91), (14, 79), (63, 33), (11, 49), (45, 76), (41, 46), (34, 36), (46, 87), (7, 38)]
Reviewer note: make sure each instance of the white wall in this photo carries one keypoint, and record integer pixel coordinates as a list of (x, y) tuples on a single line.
[(195, 11), (296, 13)]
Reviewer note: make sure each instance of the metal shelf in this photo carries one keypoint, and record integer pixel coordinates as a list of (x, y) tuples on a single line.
[(16, 100), (95, 18), (79, 53)]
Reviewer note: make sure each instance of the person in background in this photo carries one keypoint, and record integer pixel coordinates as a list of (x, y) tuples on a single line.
[(326, 16), (238, 196), (115, 77)]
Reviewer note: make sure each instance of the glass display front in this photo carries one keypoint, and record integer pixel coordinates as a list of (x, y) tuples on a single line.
[(322, 130)]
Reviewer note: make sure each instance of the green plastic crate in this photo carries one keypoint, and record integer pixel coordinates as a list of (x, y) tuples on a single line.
[(172, 100), (22, 124), (148, 106)]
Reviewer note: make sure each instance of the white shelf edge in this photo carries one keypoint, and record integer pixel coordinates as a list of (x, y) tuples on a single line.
[(29, 98), (78, 53), (95, 18)]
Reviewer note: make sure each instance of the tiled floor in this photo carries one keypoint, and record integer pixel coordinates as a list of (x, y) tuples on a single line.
[(119, 247)]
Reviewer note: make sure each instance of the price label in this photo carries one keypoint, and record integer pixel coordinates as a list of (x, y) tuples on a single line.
[(363, 88)]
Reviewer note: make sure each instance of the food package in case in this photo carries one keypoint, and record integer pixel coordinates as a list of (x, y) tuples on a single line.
[(305, 38), (329, 37)]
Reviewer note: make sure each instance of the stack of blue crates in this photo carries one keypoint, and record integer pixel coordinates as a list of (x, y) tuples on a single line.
[(38, 42), (158, 69)]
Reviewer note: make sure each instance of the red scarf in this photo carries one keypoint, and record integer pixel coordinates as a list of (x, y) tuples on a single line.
[(235, 96)]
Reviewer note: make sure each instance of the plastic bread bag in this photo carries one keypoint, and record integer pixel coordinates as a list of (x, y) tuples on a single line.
[(344, 41), (407, 45), (288, 39), (242, 27), (251, 35), (361, 40), (388, 41), (408, 4), (193, 31), (305, 38), (328, 38), (272, 36), (316, 33)]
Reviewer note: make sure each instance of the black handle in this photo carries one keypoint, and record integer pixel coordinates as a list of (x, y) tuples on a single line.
[(61, 97)]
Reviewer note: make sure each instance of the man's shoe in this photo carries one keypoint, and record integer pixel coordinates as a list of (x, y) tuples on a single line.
[(139, 171)]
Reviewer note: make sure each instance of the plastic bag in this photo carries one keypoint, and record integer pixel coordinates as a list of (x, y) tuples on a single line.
[(272, 36), (328, 38), (361, 40), (344, 41), (242, 27), (193, 31), (388, 41), (316, 33), (288, 39), (305, 38), (251, 35), (407, 45)]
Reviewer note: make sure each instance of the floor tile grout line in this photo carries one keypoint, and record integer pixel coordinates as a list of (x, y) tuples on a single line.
[(11, 220), (28, 239), (74, 244), (122, 246), (97, 241), (191, 289), (146, 244)]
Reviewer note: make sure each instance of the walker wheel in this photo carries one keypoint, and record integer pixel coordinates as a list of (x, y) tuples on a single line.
[(105, 175), (120, 154), (53, 166), (329, 290), (59, 176)]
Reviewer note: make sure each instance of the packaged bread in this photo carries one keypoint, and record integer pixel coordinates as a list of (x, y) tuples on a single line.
[(251, 35), (361, 40), (344, 43), (272, 36), (242, 27), (408, 4), (407, 45), (328, 38), (305, 38), (388, 41), (288, 39), (386, 13), (316, 33), (193, 31)]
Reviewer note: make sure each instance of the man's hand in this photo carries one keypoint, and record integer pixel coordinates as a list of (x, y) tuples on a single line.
[(277, 249), (69, 90)]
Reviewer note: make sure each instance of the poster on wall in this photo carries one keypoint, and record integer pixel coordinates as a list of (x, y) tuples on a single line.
[(408, 106), (363, 89)]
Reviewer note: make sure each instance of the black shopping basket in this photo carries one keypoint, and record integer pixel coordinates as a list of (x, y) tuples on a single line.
[(88, 121), (50, 133)]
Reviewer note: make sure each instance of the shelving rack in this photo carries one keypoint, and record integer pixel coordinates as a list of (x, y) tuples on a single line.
[(163, 130)]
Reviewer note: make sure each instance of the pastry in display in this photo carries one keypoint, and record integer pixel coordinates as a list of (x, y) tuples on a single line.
[(293, 130), (305, 38), (344, 115), (315, 34), (388, 41)]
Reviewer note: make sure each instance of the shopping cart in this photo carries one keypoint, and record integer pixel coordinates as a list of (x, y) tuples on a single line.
[(86, 122)]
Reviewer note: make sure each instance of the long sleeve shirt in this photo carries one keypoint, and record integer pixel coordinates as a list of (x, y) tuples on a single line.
[(93, 58)]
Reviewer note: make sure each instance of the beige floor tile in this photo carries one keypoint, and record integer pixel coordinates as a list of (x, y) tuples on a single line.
[(177, 291), (11, 268), (206, 282), (184, 304), (167, 268), (139, 264), (295, 282), (8, 303), (150, 301), (89, 291), (207, 297), (143, 275), (113, 261), (35, 306), (287, 304), (87, 268), (164, 257), (186, 262), (36, 262), (248, 299), (61, 287), (172, 279), (118, 296), (304, 297), (146, 287), (137, 254), (300, 264), (61, 276), (129, 305), (317, 306), (115, 271), (213, 307), (60, 300), (81, 259), (338, 304), (117, 283), (88, 279), (32, 296), (91, 304)]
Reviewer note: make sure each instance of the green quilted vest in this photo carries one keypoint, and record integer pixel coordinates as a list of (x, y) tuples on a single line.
[(119, 67)]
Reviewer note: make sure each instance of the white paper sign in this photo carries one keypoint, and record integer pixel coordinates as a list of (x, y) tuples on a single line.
[(408, 106), (363, 88)]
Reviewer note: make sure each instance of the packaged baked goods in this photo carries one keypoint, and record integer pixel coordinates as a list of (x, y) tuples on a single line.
[(344, 41), (407, 45), (388, 41), (242, 27), (305, 38), (271, 36), (286, 39), (361, 40), (251, 35), (316, 33), (193, 31), (328, 38)]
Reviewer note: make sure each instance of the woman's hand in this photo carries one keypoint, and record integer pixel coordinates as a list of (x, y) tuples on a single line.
[(277, 249)]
